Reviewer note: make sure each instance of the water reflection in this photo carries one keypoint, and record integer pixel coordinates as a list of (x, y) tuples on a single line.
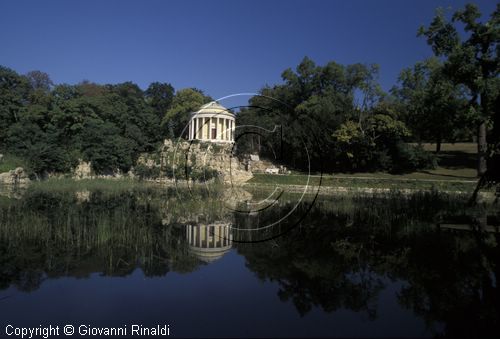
[(209, 242), (350, 254)]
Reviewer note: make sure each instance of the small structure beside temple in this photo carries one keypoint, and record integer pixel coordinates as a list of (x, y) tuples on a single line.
[(213, 123)]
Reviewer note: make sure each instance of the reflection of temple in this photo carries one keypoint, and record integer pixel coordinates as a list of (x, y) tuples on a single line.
[(209, 242)]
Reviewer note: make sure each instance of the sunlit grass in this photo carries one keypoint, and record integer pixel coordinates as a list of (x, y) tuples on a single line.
[(456, 172), (372, 180), (466, 147)]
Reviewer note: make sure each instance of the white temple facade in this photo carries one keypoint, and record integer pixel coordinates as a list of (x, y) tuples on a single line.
[(212, 122)]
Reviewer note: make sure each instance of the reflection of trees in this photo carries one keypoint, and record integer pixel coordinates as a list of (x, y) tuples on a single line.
[(340, 259), (318, 266), (453, 279), (54, 233)]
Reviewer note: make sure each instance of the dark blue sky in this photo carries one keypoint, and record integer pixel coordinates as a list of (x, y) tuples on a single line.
[(221, 47)]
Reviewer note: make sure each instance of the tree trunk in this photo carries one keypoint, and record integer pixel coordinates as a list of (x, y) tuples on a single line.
[(481, 148), (438, 144)]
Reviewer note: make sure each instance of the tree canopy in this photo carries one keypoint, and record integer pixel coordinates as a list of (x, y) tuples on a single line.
[(54, 126), (472, 59), (331, 117)]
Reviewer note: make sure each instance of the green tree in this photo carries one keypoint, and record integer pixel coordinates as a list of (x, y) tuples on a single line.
[(14, 93), (159, 96), (473, 61), (311, 104), (103, 145), (433, 105), (40, 81), (377, 143), (185, 102)]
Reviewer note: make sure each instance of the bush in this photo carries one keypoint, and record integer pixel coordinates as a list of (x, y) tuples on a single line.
[(10, 162), (204, 174), (408, 158), (145, 172), (379, 146)]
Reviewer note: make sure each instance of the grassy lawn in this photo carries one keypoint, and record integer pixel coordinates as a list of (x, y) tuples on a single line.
[(465, 147), (456, 171), (330, 180)]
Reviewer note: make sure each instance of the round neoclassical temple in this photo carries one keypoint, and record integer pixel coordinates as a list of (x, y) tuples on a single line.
[(212, 122), (209, 242)]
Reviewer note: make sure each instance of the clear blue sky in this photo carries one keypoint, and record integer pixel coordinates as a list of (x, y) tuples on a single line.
[(221, 47)]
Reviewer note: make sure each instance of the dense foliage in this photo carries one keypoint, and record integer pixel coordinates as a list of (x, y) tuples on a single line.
[(470, 50), (333, 117), (336, 117), (110, 125)]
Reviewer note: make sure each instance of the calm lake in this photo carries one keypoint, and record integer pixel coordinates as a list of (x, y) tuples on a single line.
[(219, 264)]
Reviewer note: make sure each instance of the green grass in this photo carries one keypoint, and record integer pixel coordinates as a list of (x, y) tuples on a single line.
[(382, 181), (458, 160), (466, 147), (435, 174), (70, 185), (456, 172), (10, 162)]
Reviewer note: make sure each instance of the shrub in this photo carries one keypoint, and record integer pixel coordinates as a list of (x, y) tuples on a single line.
[(10, 162), (203, 174), (408, 158), (145, 172)]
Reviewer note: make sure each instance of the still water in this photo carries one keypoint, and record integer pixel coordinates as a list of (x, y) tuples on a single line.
[(424, 265)]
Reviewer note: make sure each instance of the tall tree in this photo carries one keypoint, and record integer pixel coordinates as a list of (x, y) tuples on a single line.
[(185, 101), (40, 80), (311, 104), (159, 96), (432, 103), (473, 60), (14, 92)]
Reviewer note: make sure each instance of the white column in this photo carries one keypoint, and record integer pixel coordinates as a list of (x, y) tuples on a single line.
[(191, 129), (206, 127), (223, 132), (221, 121), (219, 132)]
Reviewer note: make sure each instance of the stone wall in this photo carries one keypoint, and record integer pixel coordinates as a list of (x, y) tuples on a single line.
[(173, 156), (83, 170), (14, 177)]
